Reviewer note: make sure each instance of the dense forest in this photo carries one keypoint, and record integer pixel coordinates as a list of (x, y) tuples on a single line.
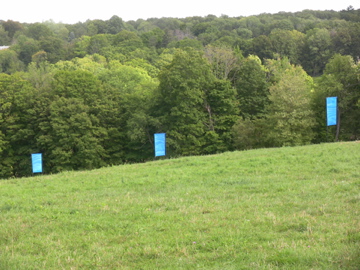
[(92, 94)]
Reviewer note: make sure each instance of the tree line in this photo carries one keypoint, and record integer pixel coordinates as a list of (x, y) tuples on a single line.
[(93, 94), (308, 38)]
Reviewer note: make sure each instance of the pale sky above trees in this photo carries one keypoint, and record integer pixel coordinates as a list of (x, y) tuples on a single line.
[(73, 11)]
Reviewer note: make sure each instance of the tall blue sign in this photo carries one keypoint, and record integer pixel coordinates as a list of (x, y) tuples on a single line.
[(36, 162), (160, 144), (331, 111)]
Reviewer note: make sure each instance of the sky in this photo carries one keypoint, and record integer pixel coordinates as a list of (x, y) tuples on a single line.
[(73, 11)]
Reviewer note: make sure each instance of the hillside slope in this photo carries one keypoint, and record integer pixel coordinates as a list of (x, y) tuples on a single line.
[(280, 208)]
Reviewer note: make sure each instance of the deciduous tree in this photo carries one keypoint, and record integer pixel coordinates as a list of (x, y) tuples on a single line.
[(290, 119), (341, 79), (252, 87), (181, 101)]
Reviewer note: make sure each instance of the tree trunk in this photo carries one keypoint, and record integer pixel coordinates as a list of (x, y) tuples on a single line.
[(337, 126)]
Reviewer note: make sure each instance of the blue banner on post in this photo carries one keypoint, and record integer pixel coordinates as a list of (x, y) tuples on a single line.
[(36, 163), (331, 111), (160, 144)]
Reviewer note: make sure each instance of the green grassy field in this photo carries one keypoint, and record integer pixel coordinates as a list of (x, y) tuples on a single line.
[(285, 208)]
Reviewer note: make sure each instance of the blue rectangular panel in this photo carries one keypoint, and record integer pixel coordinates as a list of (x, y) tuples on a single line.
[(160, 144), (36, 163), (331, 111)]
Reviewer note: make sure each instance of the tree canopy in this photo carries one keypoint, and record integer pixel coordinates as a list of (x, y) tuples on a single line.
[(93, 93)]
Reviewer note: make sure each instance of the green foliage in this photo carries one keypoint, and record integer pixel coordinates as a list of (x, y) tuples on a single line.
[(181, 95), (186, 43), (341, 79), (74, 138), (113, 84), (223, 60), (98, 44), (196, 110), (252, 87), (127, 80), (12, 27), (282, 24), (9, 62), (262, 35), (4, 36), (126, 42), (287, 117), (92, 63), (81, 46), (143, 64), (252, 23), (288, 43), (16, 139), (76, 84), (38, 31), (222, 110), (290, 118), (26, 48), (262, 47), (40, 75), (318, 50), (153, 38), (130, 92), (54, 48), (115, 25), (244, 33), (249, 134), (59, 30)]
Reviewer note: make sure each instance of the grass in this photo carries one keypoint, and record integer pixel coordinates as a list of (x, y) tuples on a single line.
[(285, 208)]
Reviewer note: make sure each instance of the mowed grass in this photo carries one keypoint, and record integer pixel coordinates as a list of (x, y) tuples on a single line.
[(285, 208)]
